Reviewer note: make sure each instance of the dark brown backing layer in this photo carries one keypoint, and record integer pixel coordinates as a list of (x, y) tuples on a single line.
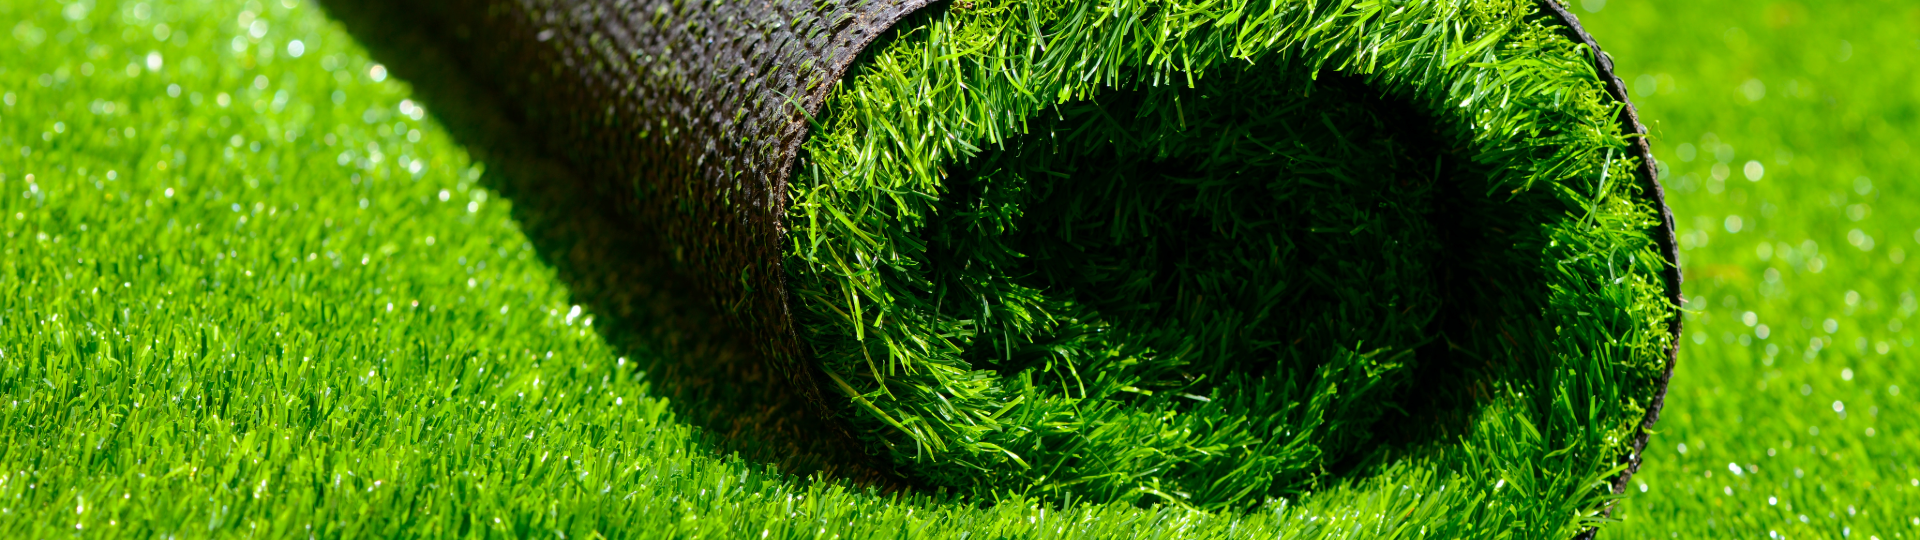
[(692, 111), (638, 186), (1650, 178)]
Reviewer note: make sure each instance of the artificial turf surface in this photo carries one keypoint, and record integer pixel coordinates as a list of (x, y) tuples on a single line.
[(287, 327), (1788, 128)]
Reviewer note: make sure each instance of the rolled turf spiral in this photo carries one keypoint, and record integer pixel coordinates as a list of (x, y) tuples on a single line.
[(1202, 253)]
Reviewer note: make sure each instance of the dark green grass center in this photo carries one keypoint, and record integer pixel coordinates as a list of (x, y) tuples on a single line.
[(1259, 233), (1200, 234)]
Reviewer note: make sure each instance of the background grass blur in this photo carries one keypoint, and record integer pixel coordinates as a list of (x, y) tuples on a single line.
[(248, 288), (1788, 131)]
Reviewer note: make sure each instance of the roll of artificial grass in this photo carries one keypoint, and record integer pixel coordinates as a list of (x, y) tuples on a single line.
[(1211, 254)]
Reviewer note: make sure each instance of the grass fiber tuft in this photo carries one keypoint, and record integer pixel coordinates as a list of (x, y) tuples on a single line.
[(1213, 255)]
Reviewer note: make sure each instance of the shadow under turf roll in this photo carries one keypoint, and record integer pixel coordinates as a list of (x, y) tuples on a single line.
[(1213, 255)]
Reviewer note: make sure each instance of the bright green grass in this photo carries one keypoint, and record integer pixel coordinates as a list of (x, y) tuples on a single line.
[(149, 385), (239, 308), (1820, 100)]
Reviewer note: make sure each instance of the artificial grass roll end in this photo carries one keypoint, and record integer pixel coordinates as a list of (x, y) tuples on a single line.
[(1218, 256), (1212, 266)]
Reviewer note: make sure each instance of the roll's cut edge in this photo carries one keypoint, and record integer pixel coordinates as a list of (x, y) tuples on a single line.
[(1650, 176)]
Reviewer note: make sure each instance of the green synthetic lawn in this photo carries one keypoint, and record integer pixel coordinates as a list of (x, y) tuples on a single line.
[(1790, 131), (250, 291), (239, 308)]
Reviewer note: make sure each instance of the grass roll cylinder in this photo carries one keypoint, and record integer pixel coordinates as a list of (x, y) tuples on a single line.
[(1219, 255), (1215, 254)]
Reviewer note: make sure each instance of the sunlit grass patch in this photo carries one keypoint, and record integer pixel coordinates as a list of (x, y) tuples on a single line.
[(1788, 129)]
